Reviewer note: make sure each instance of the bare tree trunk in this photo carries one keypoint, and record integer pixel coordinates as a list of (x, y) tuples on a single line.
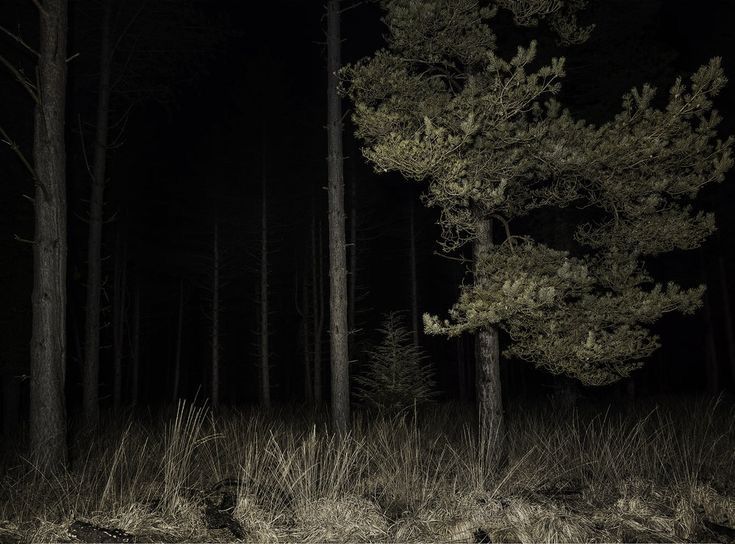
[(118, 319), (489, 392), (90, 369), (339, 358), (179, 342), (414, 279), (317, 282), (727, 315), (48, 341), (135, 349), (215, 316), (265, 388)]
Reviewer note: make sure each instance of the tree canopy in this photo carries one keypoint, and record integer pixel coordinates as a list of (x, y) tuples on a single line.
[(440, 105)]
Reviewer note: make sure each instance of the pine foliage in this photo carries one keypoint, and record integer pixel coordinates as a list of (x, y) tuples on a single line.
[(397, 376), (489, 141)]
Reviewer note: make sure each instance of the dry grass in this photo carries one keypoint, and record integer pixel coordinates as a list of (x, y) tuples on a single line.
[(661, 473)]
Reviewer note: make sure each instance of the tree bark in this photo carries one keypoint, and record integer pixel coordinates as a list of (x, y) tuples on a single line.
[(414, 278), (48, 340), (118, 319), (489, 393), (90, 369), (317, 291), (265, 387), (179, 343), (215, 316), (339, 358)]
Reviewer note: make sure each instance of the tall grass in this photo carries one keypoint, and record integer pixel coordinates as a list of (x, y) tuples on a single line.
[(599, 474)]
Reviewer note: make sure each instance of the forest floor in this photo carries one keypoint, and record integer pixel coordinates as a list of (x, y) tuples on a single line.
[(663, 472)]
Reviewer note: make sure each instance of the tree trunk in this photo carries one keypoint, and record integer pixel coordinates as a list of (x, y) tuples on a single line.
[(179, 342), (118, 319), (414, 279), (48, 340), (215, 316), (11, 405), (727, 315), (339, 358), (135, 349), (487, 374), (90, 369), (265, 387), (317, 283)]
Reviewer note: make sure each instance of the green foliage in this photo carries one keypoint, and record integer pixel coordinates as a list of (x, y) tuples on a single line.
[(490, 143), (397, 376)]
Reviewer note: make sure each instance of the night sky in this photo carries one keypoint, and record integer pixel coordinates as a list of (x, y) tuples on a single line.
[(253, 104)]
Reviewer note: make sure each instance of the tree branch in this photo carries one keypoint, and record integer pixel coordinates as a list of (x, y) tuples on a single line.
[(16, 149), (40, 7), (19, 40), (22, 79)]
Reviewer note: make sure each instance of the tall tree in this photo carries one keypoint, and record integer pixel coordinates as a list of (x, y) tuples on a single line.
[(440, 105), (338, 330), (48, 171), (90, 367), (48, 340)]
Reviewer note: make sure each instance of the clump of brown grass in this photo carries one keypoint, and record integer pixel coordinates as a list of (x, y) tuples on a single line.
[(599, 475)]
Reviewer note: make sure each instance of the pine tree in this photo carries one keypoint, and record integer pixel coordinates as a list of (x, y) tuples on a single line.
[(397, 377), (440, 106)]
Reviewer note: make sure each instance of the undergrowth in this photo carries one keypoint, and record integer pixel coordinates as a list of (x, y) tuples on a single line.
[(660, 473)]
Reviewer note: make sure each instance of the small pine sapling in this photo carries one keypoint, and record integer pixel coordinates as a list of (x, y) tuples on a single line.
[(397, 377)]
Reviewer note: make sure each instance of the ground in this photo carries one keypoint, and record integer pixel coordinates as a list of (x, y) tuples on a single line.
[(655, 472)]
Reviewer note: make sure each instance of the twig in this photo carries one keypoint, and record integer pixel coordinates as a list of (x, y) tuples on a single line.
[(25, 241), (16, 149), (22, 79), (20, 41), (40, 7)]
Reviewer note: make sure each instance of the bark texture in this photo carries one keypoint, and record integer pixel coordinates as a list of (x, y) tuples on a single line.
[(487, 373), (338, 340), (48, 340)]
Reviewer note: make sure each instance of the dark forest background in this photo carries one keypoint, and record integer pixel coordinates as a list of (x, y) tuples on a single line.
[(252, 104)]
